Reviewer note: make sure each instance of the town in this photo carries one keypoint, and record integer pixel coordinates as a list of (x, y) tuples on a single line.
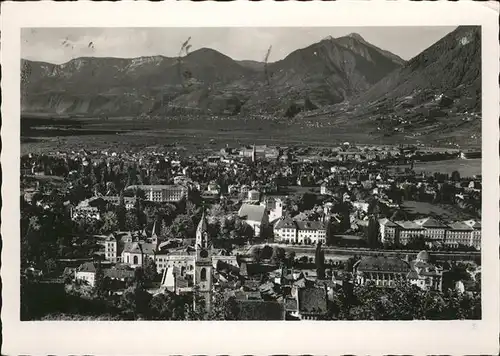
[(347, 232)]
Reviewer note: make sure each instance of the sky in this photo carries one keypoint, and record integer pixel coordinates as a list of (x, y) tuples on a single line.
[(59, 45)]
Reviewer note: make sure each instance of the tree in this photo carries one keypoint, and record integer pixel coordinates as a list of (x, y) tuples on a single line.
[(196, 310), (255, 252), (266, 252), (182, 227), (50, 266), (131, 221), (150, 272), (278, 255), (223, 308), (110, 222), (373, 232), (167, 306), (455, 176), (217, 211), (135, 301), (320, 262), (121, 212), (290, 258), (99, 289), (416, 242)]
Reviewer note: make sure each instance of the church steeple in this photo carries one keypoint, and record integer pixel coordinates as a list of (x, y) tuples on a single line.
[(254, 153), (203, 262), (202, 240), (154, 235)]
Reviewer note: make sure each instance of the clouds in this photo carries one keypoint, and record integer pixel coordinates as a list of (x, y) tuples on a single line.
[(58, 45)]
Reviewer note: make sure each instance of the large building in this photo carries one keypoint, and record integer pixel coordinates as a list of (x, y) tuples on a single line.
[(133, 250), (162, 193), (288, 230), (91, 208), (183, 272), (255, 216), (386, 271), (467, 233), (259, 152), (424, 274), (382, 271)]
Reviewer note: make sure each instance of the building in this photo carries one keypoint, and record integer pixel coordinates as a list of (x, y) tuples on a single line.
[(459, 233), (307, 232), (255, 216), (86, 273), (382, 271), (311, 232), (203, 269), (254, 152), (274, 207), (434, 230), (135, 253), (162, 193), (202, 263), (253, 195), (311, 303), (114, 244), (326, 189), (476, 234), (388, 231), (115, 200), (424, 274), (285, 230), (386, 271), (213, 188), (467, 233), (85, 212)]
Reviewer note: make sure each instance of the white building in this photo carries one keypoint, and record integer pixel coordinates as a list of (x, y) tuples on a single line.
[(274, 208), (300, 231), (86, 273), (162, 193), (255, 216), (253, 195)]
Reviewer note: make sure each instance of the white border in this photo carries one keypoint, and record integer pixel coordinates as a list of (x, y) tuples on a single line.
[(418, 337)]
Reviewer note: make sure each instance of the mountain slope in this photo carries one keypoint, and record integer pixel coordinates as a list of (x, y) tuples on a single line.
[(325, 73), (435, 96), (453, 61), (206, 81)]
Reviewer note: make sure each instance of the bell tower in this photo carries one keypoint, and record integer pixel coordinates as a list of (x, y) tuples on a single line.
[(203, 262)]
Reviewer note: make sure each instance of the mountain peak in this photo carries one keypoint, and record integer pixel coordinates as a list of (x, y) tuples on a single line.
[(356, 36)]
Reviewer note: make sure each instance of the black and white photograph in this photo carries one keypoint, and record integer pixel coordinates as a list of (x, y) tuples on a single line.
[(311, 174), (252, 173)]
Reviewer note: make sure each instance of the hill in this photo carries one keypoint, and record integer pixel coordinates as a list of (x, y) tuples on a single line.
[(434, 96), (324, 73), (207, 81)]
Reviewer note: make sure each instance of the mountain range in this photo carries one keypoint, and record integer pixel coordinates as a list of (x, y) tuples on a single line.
[(321, 79)]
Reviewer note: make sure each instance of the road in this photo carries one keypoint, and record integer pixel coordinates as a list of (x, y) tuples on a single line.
[(343, 253)]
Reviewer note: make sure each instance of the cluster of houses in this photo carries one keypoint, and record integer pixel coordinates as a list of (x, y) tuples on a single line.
[(261, 291)]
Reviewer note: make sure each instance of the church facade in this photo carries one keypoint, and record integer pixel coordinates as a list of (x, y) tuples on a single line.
[(192, 269)]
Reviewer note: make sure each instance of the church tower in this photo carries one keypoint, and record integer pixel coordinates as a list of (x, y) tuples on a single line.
[(254, 154), (203, 262)]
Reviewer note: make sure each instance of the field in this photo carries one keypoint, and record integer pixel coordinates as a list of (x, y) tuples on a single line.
[(46, 134), (466, 167), (446, 212)]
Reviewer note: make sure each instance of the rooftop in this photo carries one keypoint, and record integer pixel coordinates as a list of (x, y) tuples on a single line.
[(386, 264), (252, 212), (312, 301)]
